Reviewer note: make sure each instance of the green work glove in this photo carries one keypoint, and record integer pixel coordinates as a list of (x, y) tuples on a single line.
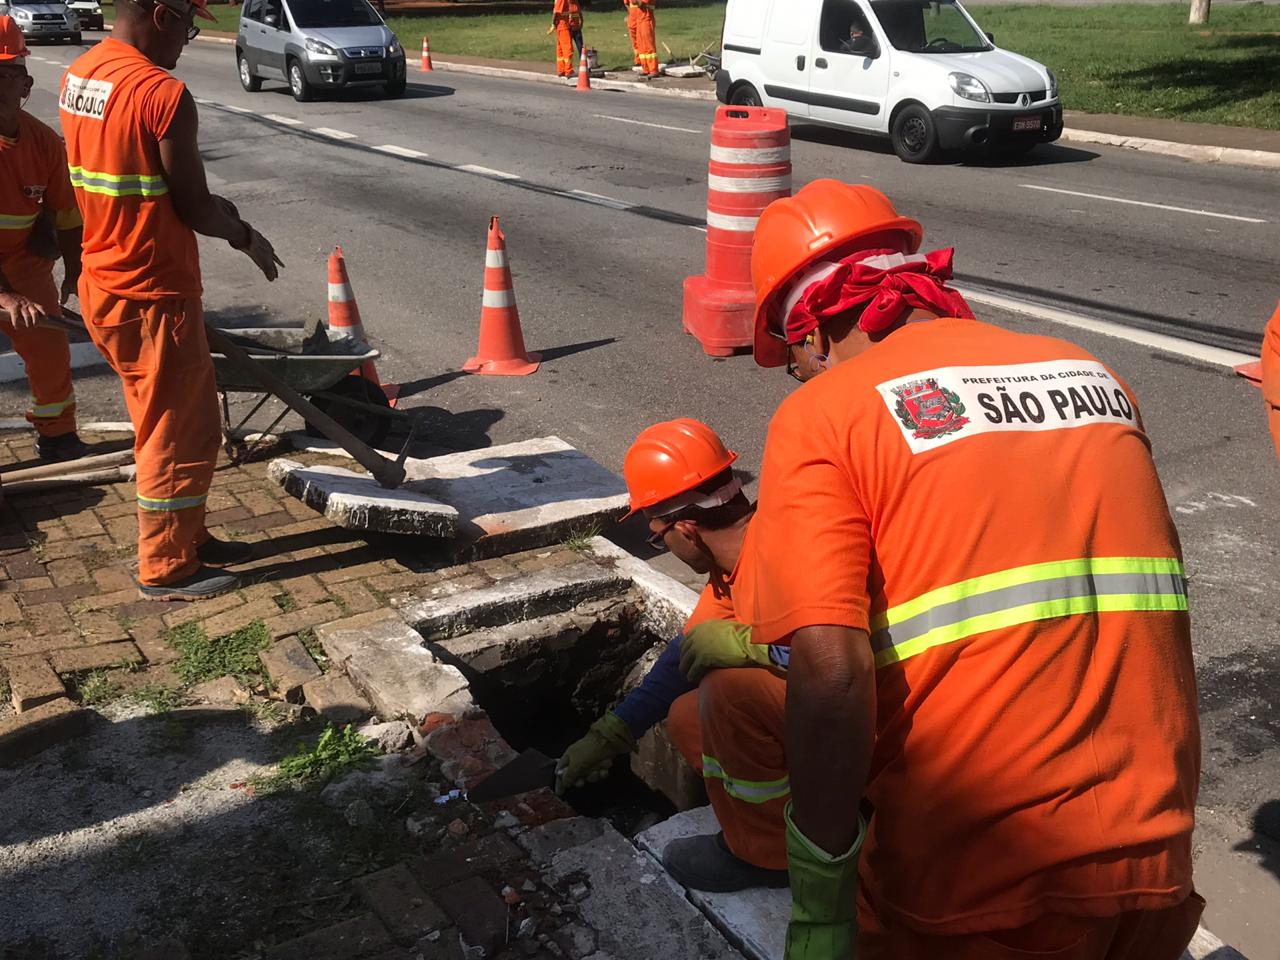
[(716, 644), (824, 898), (588, 759)]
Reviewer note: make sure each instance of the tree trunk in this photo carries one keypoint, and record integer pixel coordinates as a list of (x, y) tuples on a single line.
[(1199, 11)]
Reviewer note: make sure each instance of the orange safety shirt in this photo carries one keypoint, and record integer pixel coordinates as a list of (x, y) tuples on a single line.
[(116, 106), (1271, 360), (984, 504), (568, 10)]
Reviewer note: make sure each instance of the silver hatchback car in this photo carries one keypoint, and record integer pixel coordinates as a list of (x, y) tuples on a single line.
[(316, 45)]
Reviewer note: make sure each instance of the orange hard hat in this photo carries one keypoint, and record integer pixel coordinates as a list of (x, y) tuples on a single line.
[(827, 219), (671, 458), (13, 45)]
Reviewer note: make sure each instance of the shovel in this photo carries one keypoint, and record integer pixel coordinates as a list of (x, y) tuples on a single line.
[(531, 770)]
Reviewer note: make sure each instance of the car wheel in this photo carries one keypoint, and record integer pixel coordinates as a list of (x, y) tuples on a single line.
[(915, 138), (247, 79), (745, 95), (77, 38), (395, 88), (298, 84)]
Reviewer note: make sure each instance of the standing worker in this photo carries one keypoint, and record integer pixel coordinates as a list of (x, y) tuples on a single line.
[(644, 40), (1271, 375), (725, 720), (962, 537), (33, 181), (135, 164), (566, 20)]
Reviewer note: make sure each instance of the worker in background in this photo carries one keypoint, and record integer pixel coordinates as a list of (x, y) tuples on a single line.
[(722, 695), (644, 40), (962, 538), (1271, 375), (34, 191), (131, 131), (566, 20)]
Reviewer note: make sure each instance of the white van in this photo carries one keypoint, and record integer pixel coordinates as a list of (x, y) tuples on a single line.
[(921, 73)]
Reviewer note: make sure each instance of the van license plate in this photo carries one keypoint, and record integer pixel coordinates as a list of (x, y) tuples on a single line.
[(1021, 124), (368, 68)]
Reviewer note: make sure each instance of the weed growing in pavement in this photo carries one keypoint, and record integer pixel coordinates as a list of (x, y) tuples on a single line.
[(338, 751), (309, 640), (94, 687), (133, 666), (579, 539), (5, 690), (266, 710), (156, 697), (286, 602), (200, 658), (341, 604)]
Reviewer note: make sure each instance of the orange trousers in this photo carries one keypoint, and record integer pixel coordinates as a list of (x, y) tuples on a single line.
[(644, 39), (564, 49), (633, 18), (1137, 935), (730, 729), (45, 353), (159, 350)]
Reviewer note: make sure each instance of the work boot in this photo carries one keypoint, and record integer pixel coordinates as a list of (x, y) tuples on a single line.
[(224, 553), (57, 449), (204, 584), (705, 863)]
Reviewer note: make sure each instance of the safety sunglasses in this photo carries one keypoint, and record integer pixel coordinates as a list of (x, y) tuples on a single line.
[(659, 540)]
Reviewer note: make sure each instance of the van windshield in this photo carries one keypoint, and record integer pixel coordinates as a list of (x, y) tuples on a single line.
[(333, 13), (918, 26)]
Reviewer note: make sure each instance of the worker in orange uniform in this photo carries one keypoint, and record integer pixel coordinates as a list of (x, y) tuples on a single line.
[(33, 181), (644, 40), (136, 167), (566, 19), (962, 538), (1271, 375), (722, 695)]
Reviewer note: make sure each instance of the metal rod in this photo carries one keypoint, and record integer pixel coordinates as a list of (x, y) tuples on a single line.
[(68, 466)]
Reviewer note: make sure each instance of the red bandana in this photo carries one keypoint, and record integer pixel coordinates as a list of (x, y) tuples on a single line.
[(887, 282)]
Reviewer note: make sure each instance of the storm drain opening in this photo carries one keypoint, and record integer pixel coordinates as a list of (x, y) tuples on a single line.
[(544, 681)]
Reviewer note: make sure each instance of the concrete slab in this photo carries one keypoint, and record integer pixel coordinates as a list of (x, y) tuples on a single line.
[(354, 501), (755, 921), (637, 911), (388, 663), (666, 602)]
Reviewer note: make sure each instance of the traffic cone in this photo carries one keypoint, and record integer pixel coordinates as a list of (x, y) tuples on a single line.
[(426, 55), (584, 75), (344, 318), (501, 351)]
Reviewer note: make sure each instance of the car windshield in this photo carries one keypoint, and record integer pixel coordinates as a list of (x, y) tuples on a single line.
[(333, 13), (921, 27)]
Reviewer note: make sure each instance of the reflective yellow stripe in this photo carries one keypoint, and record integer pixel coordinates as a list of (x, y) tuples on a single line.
[(749, 791), (20, 221), (118, 184), (49, 411), (172, 503), (1021, 595)]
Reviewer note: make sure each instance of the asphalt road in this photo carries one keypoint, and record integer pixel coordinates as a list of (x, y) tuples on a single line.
[(599, 293)]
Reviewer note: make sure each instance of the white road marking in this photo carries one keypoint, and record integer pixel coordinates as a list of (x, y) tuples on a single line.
[(233, 108), (395, 151), (1143, 203), (277, 118), (699, 229), (486, 171), (1145, 338), (205, 102), (333, 134), (644, 123), (601, 201)]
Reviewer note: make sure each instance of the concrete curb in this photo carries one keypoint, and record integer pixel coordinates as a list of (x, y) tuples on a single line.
[(618, 86), (1200, 153)]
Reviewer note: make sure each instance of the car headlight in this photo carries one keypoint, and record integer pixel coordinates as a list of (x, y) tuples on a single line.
[(393, 48), (969, 87), (320, 49), (1053, 84), (97, 9), (20, 14)]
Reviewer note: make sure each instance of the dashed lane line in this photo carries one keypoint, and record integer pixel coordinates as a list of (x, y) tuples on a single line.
[(333, 134), (601, 200), (1142, 203), (645, 123), (287, 121), (395, 151), (487, 172)]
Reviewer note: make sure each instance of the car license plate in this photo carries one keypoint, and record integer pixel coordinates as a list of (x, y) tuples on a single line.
[(1022, 124), (368, 68)]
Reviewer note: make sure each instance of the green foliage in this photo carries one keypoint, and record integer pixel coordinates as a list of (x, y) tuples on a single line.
[(200, 658), (156, 697), (579, 539), (338, 751), (95, 687)]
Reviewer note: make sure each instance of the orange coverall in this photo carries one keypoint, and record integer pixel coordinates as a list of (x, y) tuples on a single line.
[(1271, 375), (640, 25), (33, 176), (567, 18), (140, 289)]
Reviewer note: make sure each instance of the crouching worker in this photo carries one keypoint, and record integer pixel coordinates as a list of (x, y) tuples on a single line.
[(722, 695)]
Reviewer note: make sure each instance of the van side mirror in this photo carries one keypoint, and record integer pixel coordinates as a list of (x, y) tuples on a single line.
[(991, 37), (272, 20)]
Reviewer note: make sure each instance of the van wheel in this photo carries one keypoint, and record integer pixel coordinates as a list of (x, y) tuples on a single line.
[(298, 85), (915, 138), (247, 80), (745, 95)]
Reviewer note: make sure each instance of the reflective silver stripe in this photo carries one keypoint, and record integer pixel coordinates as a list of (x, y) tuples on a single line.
[(172, 503), (1039, 596), (51, 411), (749, 791), (780, 184), (721, 221), (495, 258), (498, 298), (340, 293), (751, 154), (16, 222)]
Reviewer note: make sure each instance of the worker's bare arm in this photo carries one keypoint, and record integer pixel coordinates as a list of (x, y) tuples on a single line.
[(202, 211), (830, 731)]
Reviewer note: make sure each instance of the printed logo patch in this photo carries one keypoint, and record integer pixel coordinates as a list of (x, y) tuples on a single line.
[(936, 407), (85, 98), (34, 192)]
